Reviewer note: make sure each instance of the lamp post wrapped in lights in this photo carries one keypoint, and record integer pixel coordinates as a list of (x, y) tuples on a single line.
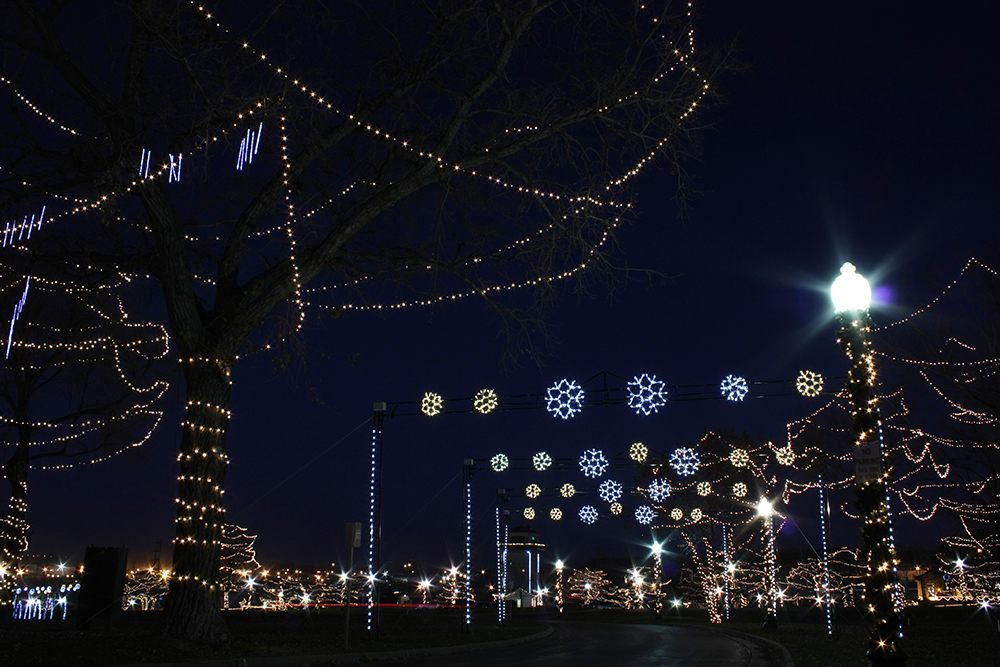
[(851, 297)]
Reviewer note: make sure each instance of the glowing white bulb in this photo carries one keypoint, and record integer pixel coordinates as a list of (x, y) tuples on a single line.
[(851, 290)]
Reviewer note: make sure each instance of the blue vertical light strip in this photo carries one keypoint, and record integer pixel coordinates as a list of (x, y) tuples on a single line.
[(468, 543), (499, 569), (373, 501), (506, 539), (528, 551), (726, 574), (827, 597)]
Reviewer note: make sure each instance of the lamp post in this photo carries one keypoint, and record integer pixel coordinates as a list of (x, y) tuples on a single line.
[(765, 509), (559, 585), (851, 295)]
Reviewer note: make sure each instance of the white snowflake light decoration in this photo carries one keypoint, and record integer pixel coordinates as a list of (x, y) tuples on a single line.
[(616, 508), (610, 490), (485, 401), (646, 394), (809, 384), (734, 388), (431, 404), (676, 514), (704, 489), (638, 452), (593, 463), (500, 462), (529, 513), (644, 514), (785, 456), (685, 461), (588, 514), (739, 489), (658, 489), (739, 458), (564, 399), (541, 461), (533, 491), (696, 514), (555, 513), (567, 491)]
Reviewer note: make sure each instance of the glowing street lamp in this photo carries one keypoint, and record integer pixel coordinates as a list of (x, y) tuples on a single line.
[(765, 510), (851, 296), (657, 549), (559, 585)]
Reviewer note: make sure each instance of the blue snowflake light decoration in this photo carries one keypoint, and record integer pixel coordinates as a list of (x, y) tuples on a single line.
[(734, 388), (593, 463), (646, 394), (610, 490), (685, 461), (588, 514), (658, 489), (564, 399), (644, 514)]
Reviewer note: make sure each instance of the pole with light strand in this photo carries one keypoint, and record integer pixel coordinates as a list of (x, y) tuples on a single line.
[(851, 295), (657, 549)]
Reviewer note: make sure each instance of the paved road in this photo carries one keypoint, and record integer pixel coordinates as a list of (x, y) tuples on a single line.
[(580, 644)]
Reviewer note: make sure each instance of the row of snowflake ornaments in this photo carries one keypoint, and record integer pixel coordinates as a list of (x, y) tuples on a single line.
[(646, 394), (593, 463)]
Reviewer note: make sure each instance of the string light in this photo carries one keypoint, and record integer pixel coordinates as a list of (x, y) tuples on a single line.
[(485, 401), (567, 490), (646, 394), (638, 452), (541, 461), (734, 388), (533, 491), (588, 514), (658, 489), (593, 463), (610, 491), (500, 462), (685, 461), (809, 384), (431, 404), (644, 514), (555, 514), (564, 399)]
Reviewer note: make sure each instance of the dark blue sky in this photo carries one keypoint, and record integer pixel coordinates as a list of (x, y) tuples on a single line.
[(856, 133)]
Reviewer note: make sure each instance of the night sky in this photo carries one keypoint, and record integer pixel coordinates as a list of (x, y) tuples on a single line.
[(857, 133)]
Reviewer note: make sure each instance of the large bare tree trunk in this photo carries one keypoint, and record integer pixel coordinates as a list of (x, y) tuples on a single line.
[(195, 600)]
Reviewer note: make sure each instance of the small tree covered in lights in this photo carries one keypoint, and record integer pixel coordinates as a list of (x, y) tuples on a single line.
[(453, 587), (75, 387), (383, 156), (590, 587), (238, 563)]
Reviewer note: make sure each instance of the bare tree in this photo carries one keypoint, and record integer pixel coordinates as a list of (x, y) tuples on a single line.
[(74, 387), (270, 165)]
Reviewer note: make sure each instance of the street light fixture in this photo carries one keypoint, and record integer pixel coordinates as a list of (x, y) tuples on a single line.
[(559, 585), (765, 509), (657, 549), (851, 295)]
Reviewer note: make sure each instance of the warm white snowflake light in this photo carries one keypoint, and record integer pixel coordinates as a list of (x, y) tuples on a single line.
[(638, 452), (704, 489), (485, 401), (610, 490), (809, 384), (567, 490), (555, 513), (685, 461), (646, 394), (533, 491), (644, 514), (588, 514), (785, 456), (696, 514), (541, 461), (500, 462), (616, 508), (529, 513), (739, 489), (734, 388), (431, 404), (658, 489), (676, 514), (739, 458), (564, 399), (593, 463)]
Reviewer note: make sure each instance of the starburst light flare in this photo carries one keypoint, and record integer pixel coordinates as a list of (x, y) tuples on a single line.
[(734, 388), (564, 399), (593, 463), (646, 394)]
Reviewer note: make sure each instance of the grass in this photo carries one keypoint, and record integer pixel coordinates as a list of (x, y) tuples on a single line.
[(958, 637), (255, 634)]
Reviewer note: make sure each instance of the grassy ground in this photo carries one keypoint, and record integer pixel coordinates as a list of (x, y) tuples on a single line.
[(934, 638), (254, 634)]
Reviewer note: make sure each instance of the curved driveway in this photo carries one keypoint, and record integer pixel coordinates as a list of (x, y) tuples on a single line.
[(581, 644)]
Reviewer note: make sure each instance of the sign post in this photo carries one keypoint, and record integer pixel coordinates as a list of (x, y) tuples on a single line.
[(353, 542)]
